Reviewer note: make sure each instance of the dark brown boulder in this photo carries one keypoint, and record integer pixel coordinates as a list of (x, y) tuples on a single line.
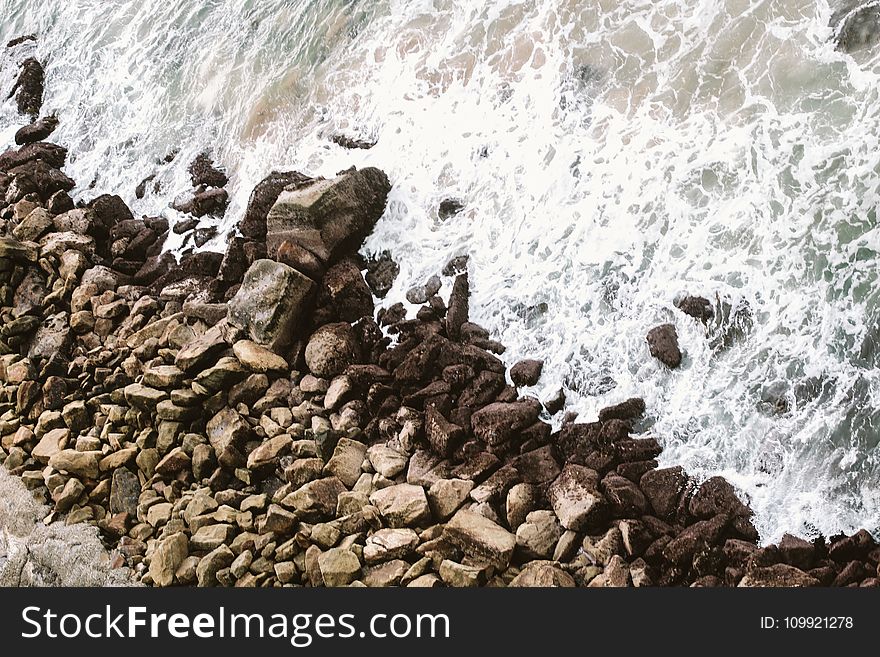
[(697, 307), (663, 489), (203, 172), (526, 372), (36, 131), (663, 343), (714, 496), (706, 533), (626, 410), (625, 500), (382, 271), (458, 311), (52, 154), (855, 547), (253, 226), (28, 89), (346, 291)]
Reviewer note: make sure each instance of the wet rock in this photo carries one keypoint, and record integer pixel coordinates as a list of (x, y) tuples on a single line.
[(203, 172), (697, 307), (856, 25), (458, 311), (458, 265), (626, 410), (302, 259), (351, 143), (37, 131), (382, 271), (264, 196), (797, 552), (347, 292), (338, 213), (625, 500), (331, 349), (28, 88), (663, 489), (526, 372), (480, 538), (715, 496), (663, 344), (448, 208), (705, 533)]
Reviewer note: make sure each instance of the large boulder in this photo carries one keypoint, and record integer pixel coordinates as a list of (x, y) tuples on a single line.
[(253, 226), (336, 214), (331, 349), (271, 302), (663, 343), (856, 25), (28, 88)]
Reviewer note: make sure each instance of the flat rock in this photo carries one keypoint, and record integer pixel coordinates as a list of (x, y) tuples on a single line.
[(403, 505), (480, 538), (258, 358)]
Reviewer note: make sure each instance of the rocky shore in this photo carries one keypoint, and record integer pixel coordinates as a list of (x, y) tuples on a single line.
[(253, 419)]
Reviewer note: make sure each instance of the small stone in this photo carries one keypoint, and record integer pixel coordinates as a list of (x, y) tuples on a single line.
[(542, 574), (387, 544), (480, 538), (387, 461), (346, 461), (167, 558), (458, 575), (212, 563), (210, 537), (339, 567), (663, 344), (81, 464), (538, 535)]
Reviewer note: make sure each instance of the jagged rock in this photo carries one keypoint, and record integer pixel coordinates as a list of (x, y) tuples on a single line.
[(264, 196), (536, 538), (403, 505), (167, 557), (336, 213), (446, 496), (339, 567), (125, 488), (257, 358), (777, 575), (28, 88), (347, 291), (195, 353), (382, 271), (269, 304), (498, 422), (663, 344), (81, 464), (212, 563), (697, 307), (459, 306), (36, 131), (576, 499), (33, 226), (480, 538), (388, 544), (663, 489), (203, 172), (316, 497), (227, 432)]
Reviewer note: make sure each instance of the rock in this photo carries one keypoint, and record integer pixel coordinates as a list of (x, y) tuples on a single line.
[(161, 376), (348, 293), (33, 226), (203, 172), (777, 576), (212, 563), (526, 372), (28, 88), (227, 432), (403, 505), (715, 496), (317, 497), (480, 538), (498, 422), (210, 537), (625, 500), (542, 574), (271, 303), (338, 213), (797, 552), (385, 574), (36, 131), (52, 338), (352, 144), (663, 489), (331, 349), (50, 444), (538, 535), (460, 576), (302, 259), (663, 344), (705, 533), (382, 271), (339, 567), (521, 500), (346, 461), (443, 435), (575, 497), (615, 575), (257, 358), (253, 226), (197, 352), (697, 307), (68, 496), (626, 410), (388, 544), (167, 557), (459, 306), (279, 521), (447, 495), (448, 208), (125, 489), (80, 464), (173, 463), (269, 452), (144, 397), (387, 461)]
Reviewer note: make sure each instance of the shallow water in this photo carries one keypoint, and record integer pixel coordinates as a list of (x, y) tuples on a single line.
[(611, 155)]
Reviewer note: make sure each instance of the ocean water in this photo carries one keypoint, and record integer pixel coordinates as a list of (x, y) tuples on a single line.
[(611, 155)]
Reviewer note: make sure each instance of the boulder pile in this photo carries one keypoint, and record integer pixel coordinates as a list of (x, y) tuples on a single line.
[(251, 419)]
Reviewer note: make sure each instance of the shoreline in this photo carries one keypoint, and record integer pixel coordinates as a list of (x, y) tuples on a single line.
[(245, 419)]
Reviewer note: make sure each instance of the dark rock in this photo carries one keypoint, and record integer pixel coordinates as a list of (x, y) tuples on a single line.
[(443, 435), (706, 533), (715, 496), (212, 201), (21, 39), (625, 500), (110, 209), (36, 131), (331, 349), (141, 190), (202, 236), (697, 307), (497, 423), (449, 208), (234, 264), (253, 226), (28, 88), (351, 143), (203, 172), (52, 154), (849, 548), (336, 213), (526, 372), (59, 202), (856, 25), (626, 410), (185, 225), (382, 271), (458, 312), (777, 576), (347, 292), (458, 265), (663, 489), (302, 259), (663, 343), (125, 488)]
